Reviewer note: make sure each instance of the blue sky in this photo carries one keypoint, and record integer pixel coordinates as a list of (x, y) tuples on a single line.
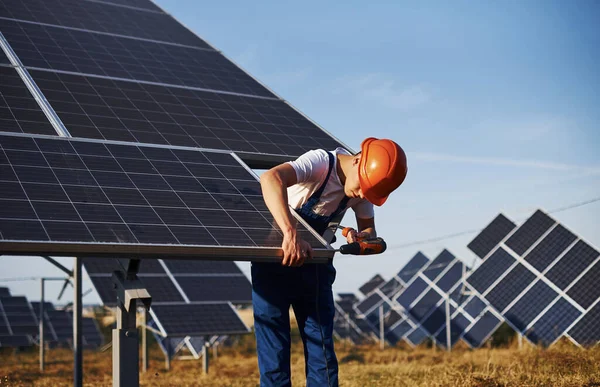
[(495, 103)]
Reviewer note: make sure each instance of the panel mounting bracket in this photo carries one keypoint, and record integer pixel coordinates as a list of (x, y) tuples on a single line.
[(130, 289)]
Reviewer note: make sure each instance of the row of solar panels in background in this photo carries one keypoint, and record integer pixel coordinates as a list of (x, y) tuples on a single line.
[(19, 324), (541, 277)]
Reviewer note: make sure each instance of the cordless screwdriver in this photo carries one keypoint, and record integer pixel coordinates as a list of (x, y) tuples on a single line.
[(363, 246)]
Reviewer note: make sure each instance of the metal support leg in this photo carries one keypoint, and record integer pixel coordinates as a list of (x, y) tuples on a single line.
[(448, 327), (381, 329), (520, 336), (77, 339), (216, 349), (144, 342), (125, 342), (42, 341), (205, 355), (168, 354)]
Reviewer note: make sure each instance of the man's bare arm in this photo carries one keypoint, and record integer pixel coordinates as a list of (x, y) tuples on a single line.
[(274, 184)]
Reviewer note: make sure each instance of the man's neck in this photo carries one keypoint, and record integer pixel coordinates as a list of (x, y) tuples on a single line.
[(342, 165)]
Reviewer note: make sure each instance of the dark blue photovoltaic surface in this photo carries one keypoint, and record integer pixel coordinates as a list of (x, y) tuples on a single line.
[(458, 324), (481, 330), (490, 236), (475, 306), (530, 305), (510, 287), (450, 277), (368, 303), (436, 319), (587, 289), (371, 284), (409, 295), (587, 330), (417, 336), (413, 266), (439, 264), (425, 304), (550, 248), (572, 264), (529, 232), (553, 323), (390, 287), (490, 270), (395, 334)]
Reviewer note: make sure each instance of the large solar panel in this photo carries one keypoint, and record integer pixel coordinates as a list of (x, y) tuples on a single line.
[(543, 279), (371, 284), (4, 292), (65, 196)]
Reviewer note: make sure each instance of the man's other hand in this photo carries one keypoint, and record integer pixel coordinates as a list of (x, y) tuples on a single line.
[(354, 236), (295, 251)]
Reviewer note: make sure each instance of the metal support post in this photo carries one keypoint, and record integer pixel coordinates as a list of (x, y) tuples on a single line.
[(144, 341), (216, 349), (205, 355), (77, 339), (448, 328), (520, 336), (125, 346), (381, 328), (42, 341), (168, 354)]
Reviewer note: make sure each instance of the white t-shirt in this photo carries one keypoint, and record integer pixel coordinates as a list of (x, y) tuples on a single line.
[(311, 170)]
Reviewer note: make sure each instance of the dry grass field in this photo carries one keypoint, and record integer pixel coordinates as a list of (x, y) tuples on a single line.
[(562, 365)]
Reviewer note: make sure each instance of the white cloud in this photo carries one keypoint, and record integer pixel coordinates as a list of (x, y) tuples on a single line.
[(384, 90), (537, 164)]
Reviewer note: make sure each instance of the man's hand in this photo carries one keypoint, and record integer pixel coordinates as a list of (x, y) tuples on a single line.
[(354, 236), (295, 251)]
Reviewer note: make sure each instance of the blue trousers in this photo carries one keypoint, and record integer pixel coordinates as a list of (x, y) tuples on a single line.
[(308, 290)]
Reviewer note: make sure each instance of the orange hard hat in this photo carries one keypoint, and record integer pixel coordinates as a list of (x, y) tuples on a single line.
[(381, 170)]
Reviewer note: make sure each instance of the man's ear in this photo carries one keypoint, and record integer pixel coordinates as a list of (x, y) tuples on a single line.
[(356, 159)]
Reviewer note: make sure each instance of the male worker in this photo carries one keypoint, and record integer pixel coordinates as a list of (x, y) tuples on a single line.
[(319, 186)]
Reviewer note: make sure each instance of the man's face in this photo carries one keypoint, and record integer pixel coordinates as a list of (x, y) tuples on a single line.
[(352, 184)]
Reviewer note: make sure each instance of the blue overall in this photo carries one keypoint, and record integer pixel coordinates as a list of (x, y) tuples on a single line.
[(308, 289)]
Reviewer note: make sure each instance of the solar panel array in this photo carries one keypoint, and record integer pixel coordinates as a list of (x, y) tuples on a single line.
[(543, 279), (182, 292), (18, 325)]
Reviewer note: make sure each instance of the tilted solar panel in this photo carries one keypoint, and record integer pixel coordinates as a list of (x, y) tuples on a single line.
[(543, 279), (96, 198), (491, 235), (140, 4)]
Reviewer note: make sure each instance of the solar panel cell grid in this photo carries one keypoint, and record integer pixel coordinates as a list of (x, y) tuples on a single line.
[(490, 270), (204, 267), (91, 53), (553, 323), (19, 112), (587, 330), (408, 296), (100, 17), (129, 216), (422, 308), (475, 306), (491, 235), (129, 111), (450, 277), (529, 232), (369, 303), (550, 248), (572, 264), (236, 289), (371, 285), (477, 334), (198, 319), (587, 289), (510, 287), (438, 265), (530, 305), (411, 269)]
